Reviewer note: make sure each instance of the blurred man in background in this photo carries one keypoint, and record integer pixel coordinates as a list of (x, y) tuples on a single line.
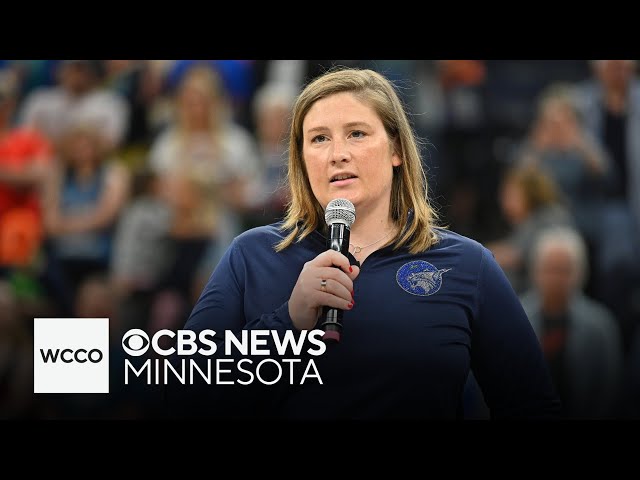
[(579, 336), (77, 98)]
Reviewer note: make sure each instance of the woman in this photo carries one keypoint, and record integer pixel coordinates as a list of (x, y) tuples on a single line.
[(203, 161), (561, 147), (421, 305), (84, 197), (531, 203)]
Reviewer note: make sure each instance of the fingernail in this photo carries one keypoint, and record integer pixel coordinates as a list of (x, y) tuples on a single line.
[(350, 305), (350, 269), (352, 293)]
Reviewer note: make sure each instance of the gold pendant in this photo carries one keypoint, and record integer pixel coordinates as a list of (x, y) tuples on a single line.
[(356, 249)]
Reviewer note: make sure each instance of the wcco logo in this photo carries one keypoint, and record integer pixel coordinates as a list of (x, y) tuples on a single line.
[(71, 355), (81, 355)]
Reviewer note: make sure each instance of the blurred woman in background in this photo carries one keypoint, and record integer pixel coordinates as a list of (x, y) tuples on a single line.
[(204, 162), (531, 203), (560, 146), (84, 197)]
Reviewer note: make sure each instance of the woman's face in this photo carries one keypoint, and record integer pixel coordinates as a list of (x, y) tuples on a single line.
[(348, 153), (196, 105), (83, 149)]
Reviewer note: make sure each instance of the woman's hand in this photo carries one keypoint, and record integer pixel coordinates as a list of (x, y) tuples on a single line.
[(309, 295)]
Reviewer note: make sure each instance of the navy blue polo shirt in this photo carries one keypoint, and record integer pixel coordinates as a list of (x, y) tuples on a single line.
[(419, 323)]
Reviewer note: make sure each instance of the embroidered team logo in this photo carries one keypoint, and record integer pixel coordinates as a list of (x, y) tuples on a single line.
[(420, 278)]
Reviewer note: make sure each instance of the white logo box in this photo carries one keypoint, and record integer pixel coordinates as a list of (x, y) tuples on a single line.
[(80, 347)]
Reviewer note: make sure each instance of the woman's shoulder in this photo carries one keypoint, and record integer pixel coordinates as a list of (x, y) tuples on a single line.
[(467, 254), (265, 235), (448, 239)]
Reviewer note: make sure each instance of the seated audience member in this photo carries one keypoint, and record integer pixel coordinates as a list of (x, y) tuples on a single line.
[(204, 162), (267, 193), (609, 103), (531, 204), (25, 156), (142, 250), (84, 198), (560, 146), (78, 98), (579, 336)]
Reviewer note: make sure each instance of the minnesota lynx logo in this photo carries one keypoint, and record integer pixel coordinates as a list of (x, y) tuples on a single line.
[(420, 278)]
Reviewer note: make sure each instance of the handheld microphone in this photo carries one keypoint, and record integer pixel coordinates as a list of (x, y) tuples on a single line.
[(339, 215)]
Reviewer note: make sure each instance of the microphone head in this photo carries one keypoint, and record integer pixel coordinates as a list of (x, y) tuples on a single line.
[(340, 210)]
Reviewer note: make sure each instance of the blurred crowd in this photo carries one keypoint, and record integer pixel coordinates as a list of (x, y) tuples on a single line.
[(122, 182)]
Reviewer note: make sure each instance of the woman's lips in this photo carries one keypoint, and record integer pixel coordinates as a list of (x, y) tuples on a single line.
[(344, 183)]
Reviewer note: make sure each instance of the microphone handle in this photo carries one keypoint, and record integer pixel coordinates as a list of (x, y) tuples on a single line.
[(331, 318)]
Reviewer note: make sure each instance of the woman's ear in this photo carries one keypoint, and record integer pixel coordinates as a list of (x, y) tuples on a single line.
[(396, 158)]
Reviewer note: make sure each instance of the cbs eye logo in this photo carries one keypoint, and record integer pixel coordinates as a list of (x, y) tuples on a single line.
[(135, 342)]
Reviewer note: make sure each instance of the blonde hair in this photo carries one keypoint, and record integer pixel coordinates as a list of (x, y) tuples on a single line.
[(208, 83), (557, 94), (409, 183), (538, 188)]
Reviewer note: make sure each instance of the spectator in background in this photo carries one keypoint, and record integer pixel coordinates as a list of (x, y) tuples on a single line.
[(84, 197), (204, 161), (125, 77), (610, 107), (531, 203), (267, 193), (579, 336), (30, 74), (237, 80), (25, 157), (16, 360), (140, 84), (142, 251), (77, 99), (560, 146)]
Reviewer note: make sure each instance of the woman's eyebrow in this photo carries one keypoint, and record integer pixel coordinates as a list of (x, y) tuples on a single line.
[(346, 125), (316, 129), (357, 124)]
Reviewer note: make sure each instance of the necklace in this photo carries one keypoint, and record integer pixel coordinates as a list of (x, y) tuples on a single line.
[(357, 249)]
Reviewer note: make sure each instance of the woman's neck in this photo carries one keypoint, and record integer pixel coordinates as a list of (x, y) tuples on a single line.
[(370, 229), (370, 232)]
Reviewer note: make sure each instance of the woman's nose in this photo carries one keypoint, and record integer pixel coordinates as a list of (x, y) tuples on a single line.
[(340, 152)]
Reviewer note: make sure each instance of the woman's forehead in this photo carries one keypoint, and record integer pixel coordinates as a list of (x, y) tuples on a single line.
[(338, 109)]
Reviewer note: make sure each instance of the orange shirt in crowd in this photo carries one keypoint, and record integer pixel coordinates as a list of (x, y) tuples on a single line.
[(20, 211)]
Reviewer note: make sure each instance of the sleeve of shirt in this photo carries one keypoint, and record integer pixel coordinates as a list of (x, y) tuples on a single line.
[(160, 153), (29, 112), (506, 357), (221, 305), (41, 149), (115, 112), (610, 346), (221, 308), (124, 243)]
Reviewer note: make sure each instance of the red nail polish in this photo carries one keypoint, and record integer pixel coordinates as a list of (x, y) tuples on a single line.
[(350, 269), (352, 293), (350, 305)]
